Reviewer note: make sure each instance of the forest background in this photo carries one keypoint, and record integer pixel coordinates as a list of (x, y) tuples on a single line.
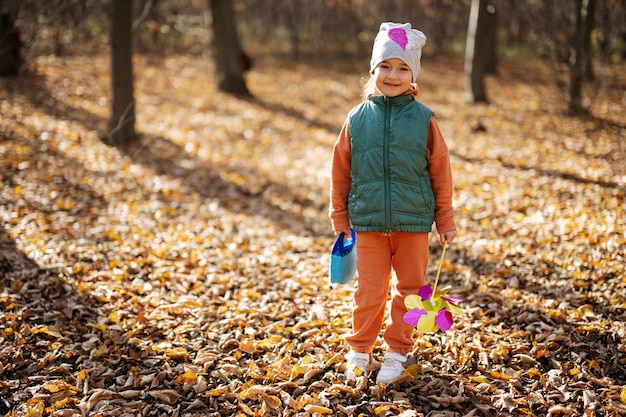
[(185, 273)]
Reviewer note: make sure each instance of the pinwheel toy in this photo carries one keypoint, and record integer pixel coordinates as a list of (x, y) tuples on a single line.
[(430, 309)]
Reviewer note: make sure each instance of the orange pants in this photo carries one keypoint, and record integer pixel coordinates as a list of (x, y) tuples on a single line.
[(377, 255)]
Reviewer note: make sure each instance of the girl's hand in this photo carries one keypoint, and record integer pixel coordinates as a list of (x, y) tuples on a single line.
[(447, 237), (346, 233)]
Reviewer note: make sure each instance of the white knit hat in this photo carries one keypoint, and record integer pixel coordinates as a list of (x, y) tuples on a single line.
[(398, 40)]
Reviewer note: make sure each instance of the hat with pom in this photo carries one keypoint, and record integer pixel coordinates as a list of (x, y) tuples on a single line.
[(398, 40)]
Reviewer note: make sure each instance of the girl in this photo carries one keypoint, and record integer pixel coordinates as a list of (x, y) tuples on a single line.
[(390, 180)]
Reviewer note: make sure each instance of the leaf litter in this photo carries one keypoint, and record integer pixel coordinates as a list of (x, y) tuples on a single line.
[(187, 274)]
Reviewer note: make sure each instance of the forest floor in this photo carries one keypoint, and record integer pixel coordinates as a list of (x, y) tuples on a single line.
[(186, 275)]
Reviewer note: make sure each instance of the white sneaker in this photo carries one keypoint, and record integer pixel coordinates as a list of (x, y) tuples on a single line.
[(392, 368), (357, 364)]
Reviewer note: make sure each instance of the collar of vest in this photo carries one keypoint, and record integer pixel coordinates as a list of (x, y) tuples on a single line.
[(394, 101)]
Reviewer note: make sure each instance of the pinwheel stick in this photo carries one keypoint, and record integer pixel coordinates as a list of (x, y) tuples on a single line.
[(443, 252)]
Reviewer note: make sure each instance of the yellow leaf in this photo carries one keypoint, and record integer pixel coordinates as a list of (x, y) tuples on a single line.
[(247, 410), (358, 371), (481, 379), (63, 402), (594, 365), (101, 351), (247, 346), (499, 375), (179, 353), (269, 342), (188, 376), (623, 396), (413, 370), (252, 392), (295, 371), (115, 317), (192, 304), (52, 388), (46, 330), (272, 401), (36, 407), (188, 379), (82, 374), (217, 392), (383, 408), (334, 359), (237, 179)]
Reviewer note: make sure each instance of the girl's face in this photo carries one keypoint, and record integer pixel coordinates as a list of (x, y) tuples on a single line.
[(393, 77)]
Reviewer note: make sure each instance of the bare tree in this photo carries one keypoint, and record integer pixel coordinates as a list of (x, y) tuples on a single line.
[(475, 52), (230, 61), (122, 124), (491, 42), (580, 53), (10, 45)]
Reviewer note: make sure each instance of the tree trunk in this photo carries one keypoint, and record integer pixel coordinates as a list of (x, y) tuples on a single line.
[(475, 52), (579, 53), (10, 59), (590, 23), (228, 53), (491, 39), (122, 124)]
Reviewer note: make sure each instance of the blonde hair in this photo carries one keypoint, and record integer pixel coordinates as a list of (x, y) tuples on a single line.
[(369, 87)]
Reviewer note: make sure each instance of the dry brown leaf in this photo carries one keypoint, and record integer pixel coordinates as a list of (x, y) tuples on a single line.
[(168, 396)]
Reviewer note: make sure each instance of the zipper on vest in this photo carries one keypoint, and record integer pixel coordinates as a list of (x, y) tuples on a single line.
[(387, 171)]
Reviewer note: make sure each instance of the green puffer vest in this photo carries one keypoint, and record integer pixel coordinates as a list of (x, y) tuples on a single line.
[(391, 189)]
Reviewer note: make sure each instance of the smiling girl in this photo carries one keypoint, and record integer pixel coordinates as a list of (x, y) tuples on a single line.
[(390, 181)]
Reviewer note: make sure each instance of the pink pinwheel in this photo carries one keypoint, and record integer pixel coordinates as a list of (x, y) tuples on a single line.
[(430, 309)]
